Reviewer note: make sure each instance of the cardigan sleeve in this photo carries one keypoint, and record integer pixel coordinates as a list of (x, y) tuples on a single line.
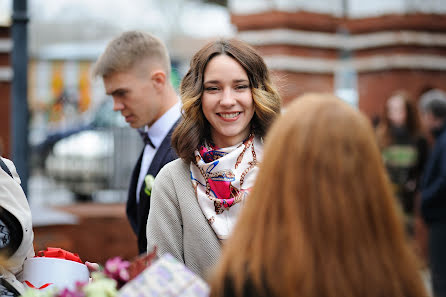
[(164, 224)]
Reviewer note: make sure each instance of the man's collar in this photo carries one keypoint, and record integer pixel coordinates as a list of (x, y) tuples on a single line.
[(162, 126)]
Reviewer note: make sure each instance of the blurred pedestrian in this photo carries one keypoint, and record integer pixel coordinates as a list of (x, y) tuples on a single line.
[(16, 233), (229, 103), (136, 68), (404, 150), (433, 188), (321, 220)]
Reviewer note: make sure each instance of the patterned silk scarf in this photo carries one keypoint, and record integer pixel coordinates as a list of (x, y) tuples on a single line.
[(222, 178)]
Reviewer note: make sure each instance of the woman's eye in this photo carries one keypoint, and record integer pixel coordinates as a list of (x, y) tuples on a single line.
[(211, 89), (241, 87)]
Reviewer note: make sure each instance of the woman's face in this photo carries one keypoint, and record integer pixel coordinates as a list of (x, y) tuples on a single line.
[(227, 101), (396, 110)]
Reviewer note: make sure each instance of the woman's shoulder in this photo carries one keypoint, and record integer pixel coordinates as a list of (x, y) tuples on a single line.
[(175, 170), (174, 177), (175, 166)]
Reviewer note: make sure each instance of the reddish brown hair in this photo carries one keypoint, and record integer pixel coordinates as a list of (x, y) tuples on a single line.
[(321, 220)]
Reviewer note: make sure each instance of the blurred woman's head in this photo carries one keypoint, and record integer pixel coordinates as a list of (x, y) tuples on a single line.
[(321, 219), (397, 108), (401, 111), (400, 114), (226, 92)]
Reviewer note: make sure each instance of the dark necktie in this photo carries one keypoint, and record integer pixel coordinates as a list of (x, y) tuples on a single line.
[(145, 138)]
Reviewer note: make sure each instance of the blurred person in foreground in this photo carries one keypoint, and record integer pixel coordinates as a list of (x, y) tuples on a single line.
[(16, 233), (229, 102), (321, 220), (404, 150), (433, 188), (135, 68)]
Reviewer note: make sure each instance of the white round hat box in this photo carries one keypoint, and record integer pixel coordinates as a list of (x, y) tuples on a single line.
[(46, 272)]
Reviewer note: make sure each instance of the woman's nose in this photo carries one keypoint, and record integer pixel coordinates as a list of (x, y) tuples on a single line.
[(227, 97)]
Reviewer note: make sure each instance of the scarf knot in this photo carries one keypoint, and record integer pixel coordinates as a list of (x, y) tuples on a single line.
[(222, 178)]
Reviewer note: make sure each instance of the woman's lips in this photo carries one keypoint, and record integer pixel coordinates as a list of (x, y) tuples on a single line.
[(229, 116)]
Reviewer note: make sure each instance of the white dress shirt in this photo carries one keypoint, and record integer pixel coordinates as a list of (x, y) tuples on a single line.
[(157, 132)]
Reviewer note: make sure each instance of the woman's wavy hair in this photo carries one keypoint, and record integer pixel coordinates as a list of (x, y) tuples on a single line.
[(321, 220), (193, 128), (412, 124)]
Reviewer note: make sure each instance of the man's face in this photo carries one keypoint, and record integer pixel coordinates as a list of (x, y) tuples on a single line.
[(134, 95), (429, 121)]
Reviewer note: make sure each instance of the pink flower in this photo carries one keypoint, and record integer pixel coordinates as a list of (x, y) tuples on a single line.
[(68, 293), (117, 269)]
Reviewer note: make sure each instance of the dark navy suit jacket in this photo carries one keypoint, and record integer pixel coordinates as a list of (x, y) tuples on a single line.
[(433, 186), (137, 213)]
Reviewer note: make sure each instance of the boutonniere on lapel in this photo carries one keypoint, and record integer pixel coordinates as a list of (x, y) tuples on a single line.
[(149, 180)]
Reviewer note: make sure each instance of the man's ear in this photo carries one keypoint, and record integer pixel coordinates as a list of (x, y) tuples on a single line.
[(159, 79)]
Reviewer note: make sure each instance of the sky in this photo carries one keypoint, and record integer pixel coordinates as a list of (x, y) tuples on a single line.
[(5, 8), (194, 19)]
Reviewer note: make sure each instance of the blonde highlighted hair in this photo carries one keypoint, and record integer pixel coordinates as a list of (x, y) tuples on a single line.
[(131, 49), (321, 220), (194, 128)]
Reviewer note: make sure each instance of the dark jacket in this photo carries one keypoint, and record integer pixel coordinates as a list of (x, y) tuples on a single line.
[(248, 290), (433, 185), (137, 213)]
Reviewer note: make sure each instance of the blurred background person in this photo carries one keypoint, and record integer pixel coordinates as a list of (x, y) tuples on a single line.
[(135, 68), (321, 219), (16, 232), (229, 103), (404, 150), (433, 188)]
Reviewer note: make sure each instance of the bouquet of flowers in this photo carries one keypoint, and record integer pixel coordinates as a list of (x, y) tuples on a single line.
[(104, 283)]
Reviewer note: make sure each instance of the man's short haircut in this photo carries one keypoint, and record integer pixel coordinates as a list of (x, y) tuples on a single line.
[(131, 49), (434, 101)]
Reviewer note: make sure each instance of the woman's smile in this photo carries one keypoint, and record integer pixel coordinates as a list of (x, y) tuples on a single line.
[(226, 116)]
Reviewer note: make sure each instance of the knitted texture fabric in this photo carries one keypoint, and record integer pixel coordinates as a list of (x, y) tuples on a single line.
[(176, 223)]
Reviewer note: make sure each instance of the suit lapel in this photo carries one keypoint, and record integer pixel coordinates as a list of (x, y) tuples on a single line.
[(131, 208), (163, 155)]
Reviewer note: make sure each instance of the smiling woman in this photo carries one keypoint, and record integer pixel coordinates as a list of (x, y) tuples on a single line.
[(227, 101), (228, 105)]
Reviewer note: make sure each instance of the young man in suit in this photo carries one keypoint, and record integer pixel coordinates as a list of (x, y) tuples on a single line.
[(135, 68)]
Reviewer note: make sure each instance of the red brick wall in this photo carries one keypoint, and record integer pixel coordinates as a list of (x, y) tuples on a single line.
[(103, 232), (375, 87), (5, 101), (5, 126), (292, 84), (301, 20), (416, 21)]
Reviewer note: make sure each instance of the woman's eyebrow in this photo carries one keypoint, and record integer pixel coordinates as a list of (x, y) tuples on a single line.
[(212, 82), (217, 81)]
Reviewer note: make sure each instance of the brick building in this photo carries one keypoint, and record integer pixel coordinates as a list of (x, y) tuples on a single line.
[(5, 89), (328, 45)]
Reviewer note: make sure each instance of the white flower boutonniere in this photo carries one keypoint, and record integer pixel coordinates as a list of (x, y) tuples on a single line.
[(149, 180)]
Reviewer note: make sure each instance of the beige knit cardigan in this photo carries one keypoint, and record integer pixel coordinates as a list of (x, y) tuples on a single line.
[(176, 223)]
